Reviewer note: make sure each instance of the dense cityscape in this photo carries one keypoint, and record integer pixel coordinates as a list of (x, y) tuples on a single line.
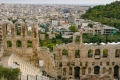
[(59, 42)]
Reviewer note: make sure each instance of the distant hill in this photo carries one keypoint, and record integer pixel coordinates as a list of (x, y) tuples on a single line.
[(108, 14)]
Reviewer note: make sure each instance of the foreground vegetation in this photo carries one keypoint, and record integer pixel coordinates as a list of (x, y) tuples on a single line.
[(108, 14), (101, 38), (8, 73), (50, 43)]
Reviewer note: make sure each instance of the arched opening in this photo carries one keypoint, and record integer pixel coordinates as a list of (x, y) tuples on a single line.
[(70, 70), (110, 70), (90, 53), (117, 53), (104, 70), (77, 53), (54, 56), (96, 70), (97, 54), (18, 29), (19, 43), (60, 64), (8, 29), (29, 29), (89, 70), (23, 31), (9, 44), (29, 43), (64, 52), (64, 71), (77, 39), (105, 53), (35, 33), (77, 72), (83, 71), (116, 71)]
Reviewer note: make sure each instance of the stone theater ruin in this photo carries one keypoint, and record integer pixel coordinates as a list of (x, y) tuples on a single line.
[(72, 60)]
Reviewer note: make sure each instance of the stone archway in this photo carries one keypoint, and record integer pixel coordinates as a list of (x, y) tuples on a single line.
[(116, 71), (75, 35), (89, 70), (77, 72), (96, 70), (97, 54), (110, 70), (104, 70), (70, 70), (64, 71), (8, 29)]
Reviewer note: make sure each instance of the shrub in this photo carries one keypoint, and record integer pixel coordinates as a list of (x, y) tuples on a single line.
[(9, 73)]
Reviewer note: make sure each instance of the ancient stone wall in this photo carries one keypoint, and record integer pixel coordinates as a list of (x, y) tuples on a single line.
[(72, 60), (22, 39), (76, 60)]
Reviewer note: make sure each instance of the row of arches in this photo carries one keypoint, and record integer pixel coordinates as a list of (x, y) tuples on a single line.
[(19, 43), (77, 53), (96, 71), (19, 29), (90, 53), (115, 74)]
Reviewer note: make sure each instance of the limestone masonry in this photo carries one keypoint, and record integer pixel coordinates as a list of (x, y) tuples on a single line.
[(72, 60)]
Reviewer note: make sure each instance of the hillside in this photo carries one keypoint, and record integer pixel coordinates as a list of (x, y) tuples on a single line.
[(108, 14)]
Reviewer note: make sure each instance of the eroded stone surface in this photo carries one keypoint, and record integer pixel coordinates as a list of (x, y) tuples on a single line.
[(67, 66), (97, 77)]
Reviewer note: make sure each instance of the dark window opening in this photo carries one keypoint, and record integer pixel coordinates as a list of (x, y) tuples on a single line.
[(107, 63)]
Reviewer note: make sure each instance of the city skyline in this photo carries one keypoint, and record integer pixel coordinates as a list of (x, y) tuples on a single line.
[(84, 2)]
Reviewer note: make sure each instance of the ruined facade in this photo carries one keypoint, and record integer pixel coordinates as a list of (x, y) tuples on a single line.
[(22, 39), (1, 37), (74, 60)]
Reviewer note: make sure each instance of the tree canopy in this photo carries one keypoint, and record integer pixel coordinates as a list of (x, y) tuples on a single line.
[(106, 14), (73, 28), (100, 38), (90, 25), (87, 38), (8, 73)]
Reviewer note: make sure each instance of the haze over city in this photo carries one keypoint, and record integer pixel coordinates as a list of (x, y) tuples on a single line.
[(83, 2), (59, 40)]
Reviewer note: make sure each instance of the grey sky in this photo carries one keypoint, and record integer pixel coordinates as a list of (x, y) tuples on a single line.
[(59, 1)]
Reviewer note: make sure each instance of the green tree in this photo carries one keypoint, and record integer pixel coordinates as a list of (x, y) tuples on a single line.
[(50, 46), (14, 21), (77, 39), (2, 78), (19, 44), (10, 18), (89, 53), (54, 40), (106, 14), (77, 52), (8, 73), (73, 28), (64, 52), (9, 44), (44, 44), (59, 35), (90, 25), (29, 43)]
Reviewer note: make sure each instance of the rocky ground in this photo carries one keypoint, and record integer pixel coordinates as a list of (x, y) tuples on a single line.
[(97, 77)]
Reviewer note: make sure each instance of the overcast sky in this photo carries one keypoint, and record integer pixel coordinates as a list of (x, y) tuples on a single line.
[(58, 1)]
